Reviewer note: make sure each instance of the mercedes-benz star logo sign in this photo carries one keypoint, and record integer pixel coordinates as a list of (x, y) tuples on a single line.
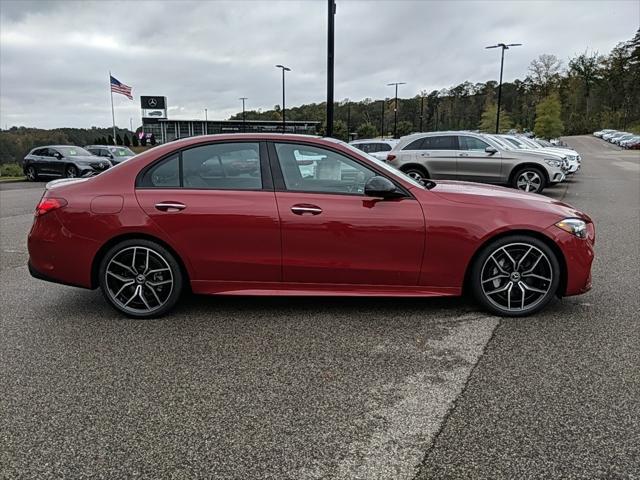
[(153, 102)]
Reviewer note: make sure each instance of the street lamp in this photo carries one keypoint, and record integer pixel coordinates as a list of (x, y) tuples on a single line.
[(395, 108), (503, 47), (206, 122), (330, 55), (284, 69), (244, 120)]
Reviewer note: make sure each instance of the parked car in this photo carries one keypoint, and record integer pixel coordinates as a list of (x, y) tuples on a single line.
[(62, 161), (474, 157), (523, 143), (600, 133), (610, 137), (378, 148), (631, 143), (113, 153), (627, 136), (163, 222)]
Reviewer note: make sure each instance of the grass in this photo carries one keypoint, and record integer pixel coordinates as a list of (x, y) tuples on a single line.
[(10, 171)]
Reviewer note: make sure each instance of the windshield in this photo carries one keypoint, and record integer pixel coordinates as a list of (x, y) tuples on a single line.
[(544, 143), (121, 152), (499, 142), (382, 164), (73, 151), (528, 142)]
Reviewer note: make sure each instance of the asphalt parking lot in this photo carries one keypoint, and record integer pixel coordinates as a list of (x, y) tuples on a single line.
[(304, 388)]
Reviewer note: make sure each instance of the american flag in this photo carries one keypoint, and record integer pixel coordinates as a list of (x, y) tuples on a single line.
[(120, 88)]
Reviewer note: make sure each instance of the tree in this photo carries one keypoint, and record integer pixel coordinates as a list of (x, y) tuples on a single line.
[(109, 140), (367, 130), (152, 139), (545, 71), (548, 121), (404, 128), (134, 140), (126, 141), (118, 139), (488, 119)]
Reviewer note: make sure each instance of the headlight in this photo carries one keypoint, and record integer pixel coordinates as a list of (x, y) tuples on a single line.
[(574, 226), (553, 163)]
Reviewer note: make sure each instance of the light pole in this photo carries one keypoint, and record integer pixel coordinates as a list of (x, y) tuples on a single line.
[(206, 122), (421, 110), (284, 69), (395, 108), (382, 118), (244, 120), (503, 47), (330, 49)]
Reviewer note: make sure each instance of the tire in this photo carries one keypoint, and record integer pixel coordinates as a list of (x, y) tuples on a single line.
[(129, 289), (534, 280), (529, 179), (417, 173), (71, 171), (31, 173)]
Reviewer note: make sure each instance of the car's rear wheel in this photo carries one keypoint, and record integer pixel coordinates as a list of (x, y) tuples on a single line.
[(515, 276), (71, 171), (31, 173), (417, 173), (140, 278), (529, 179)]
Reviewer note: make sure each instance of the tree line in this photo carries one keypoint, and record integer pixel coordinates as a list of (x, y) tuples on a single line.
[(592, 91)]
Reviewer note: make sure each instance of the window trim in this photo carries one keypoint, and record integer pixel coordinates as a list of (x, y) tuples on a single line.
[(265, 173), (278, 177)]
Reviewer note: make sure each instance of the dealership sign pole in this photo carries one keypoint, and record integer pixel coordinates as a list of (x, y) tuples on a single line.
[(113, 114)]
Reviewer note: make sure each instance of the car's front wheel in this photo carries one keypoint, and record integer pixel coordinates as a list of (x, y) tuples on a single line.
[(31, 173), (417, 173), (515, 276), (71, 171), (140, 278), (529, 179)]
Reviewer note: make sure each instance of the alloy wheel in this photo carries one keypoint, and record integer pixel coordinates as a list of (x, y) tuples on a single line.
[(31, 174), (529, 181), (71, 172), (139, 280), (516, 277), (417, 176)]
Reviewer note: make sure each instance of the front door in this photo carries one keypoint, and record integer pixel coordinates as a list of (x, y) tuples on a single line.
[(439, 154), (216, 203), (331, 232), (475, 164)]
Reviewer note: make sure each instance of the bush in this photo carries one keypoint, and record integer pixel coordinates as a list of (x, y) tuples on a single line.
[(11, 170)]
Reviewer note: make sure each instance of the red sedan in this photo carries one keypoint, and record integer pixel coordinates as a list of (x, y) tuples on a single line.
[(295, 215)]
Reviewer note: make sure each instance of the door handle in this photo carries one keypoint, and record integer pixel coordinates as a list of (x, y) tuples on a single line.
[(424, 154), (303, 208), (170, 206), (463, 154)]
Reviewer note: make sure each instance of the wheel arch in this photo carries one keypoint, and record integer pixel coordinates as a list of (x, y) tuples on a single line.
[(562, 286), (521, 166), (97, 259)]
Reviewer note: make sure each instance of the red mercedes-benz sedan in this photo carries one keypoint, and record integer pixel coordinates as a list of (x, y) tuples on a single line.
[(270, 214)]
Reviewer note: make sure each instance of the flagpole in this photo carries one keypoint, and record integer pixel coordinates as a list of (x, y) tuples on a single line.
[(113, 115)]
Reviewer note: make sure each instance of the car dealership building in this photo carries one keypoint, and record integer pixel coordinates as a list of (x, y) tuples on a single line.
[(155, 121)]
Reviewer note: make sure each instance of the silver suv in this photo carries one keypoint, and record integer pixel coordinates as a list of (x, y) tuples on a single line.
[(473, 157)]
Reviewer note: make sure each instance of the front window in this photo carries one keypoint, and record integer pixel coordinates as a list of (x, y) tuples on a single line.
[(308, 168), (73, 151), (121, 152), (472, 143)]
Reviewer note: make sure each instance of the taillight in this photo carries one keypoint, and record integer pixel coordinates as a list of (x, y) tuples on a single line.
[(391, 158), (47, 205)]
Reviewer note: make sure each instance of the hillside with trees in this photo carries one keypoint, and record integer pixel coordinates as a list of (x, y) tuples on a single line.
[(592, 91)]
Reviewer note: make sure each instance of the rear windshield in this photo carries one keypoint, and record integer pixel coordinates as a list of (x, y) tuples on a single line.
[(121, 152)]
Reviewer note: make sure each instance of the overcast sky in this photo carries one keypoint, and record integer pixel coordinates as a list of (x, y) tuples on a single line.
[(55, 55)]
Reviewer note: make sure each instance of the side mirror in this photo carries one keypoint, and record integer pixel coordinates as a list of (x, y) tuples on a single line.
[(381, 187), (57, 155), (491, 150)]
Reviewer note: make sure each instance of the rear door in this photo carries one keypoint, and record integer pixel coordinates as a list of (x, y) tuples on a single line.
[(438, 153), (331, 232), (216, 203), (475, 164)]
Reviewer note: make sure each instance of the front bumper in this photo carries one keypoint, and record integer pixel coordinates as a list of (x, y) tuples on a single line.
[(578, 254)]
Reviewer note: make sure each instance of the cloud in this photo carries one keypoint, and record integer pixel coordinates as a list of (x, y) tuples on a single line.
[(55, 55)]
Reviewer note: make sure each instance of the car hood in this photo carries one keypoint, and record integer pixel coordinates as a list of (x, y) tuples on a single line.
[(541, 153), (494, 196), (85, 158)]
